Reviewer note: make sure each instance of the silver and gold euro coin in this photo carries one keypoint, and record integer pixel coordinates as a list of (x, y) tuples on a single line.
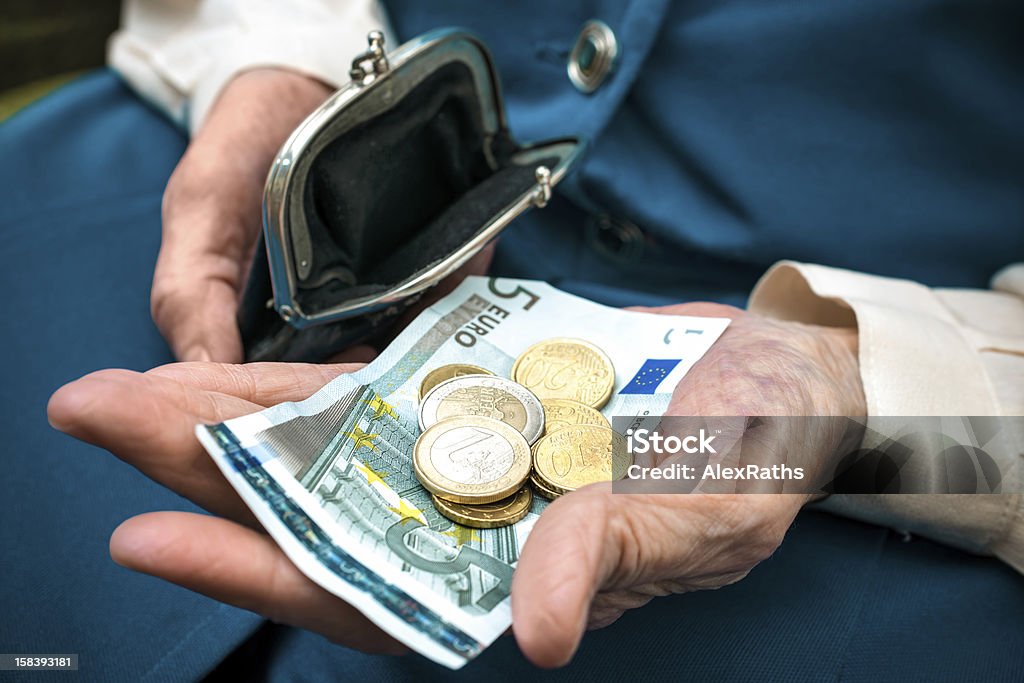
[(472, 460), (482, 396)]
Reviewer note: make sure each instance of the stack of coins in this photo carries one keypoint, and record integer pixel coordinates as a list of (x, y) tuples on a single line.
[(487, 441)]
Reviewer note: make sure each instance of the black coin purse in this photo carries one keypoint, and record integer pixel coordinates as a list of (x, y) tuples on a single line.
[(393, 183)]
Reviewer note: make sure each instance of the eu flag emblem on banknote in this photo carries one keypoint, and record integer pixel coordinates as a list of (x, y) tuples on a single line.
[(650, 375)]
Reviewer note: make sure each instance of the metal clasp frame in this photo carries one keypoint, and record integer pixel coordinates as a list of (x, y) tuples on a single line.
[(542, 193), (372, 63)]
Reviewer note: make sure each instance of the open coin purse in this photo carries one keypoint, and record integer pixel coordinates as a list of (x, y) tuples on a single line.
[(392, 184)]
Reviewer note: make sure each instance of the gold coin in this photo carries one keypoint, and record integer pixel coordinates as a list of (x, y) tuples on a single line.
[(578, 455), (473, 460), (489, 515), (563, 412), (446, 372), (566, 368), (542, 488), (547, 486)]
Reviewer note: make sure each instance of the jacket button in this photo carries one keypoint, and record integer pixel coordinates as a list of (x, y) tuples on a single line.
[(593, 57), (615, 238)]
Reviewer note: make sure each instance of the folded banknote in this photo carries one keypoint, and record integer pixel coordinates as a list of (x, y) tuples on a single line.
[(331, 477)]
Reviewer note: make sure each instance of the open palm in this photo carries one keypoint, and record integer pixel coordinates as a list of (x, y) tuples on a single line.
[(148, 420), (616, 551)]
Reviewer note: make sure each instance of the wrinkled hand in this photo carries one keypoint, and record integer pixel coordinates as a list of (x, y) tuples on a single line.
[(211, 210), (148, 421), (617, 551), (212, 220)]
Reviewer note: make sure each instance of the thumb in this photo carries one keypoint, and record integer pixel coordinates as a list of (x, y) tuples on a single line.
[(566, 559), (196, 314)]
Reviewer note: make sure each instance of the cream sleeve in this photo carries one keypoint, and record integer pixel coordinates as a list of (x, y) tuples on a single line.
[(924, 352), (179, 54)]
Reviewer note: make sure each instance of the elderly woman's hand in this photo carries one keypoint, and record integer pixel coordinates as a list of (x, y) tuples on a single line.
[(211, 210), (212, 216), (594, 554), (148, 420)]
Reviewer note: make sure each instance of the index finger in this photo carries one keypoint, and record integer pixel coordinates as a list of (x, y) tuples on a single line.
[(264, 384), (148, 419)]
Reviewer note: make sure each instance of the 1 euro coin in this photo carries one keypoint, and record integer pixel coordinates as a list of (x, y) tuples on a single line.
[(473, 460)]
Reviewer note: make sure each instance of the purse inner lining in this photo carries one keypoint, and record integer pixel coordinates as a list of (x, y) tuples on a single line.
[(401, 191)]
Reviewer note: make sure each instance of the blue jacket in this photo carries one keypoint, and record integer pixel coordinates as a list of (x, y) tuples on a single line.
[(876, 136)]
